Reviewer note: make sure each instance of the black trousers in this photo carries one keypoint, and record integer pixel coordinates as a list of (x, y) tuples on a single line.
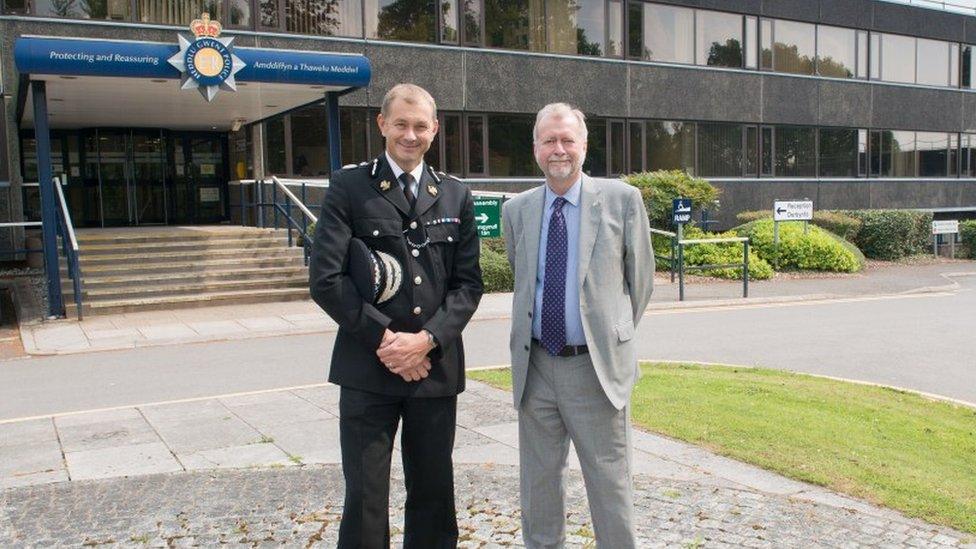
[(367, 425)]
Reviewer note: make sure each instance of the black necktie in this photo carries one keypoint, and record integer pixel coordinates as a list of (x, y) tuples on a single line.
[(407, 180)]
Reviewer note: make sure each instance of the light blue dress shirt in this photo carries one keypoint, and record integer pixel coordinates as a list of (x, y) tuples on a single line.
[(571, 212)]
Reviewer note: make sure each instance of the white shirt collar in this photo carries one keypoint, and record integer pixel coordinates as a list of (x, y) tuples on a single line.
[(398, 171)]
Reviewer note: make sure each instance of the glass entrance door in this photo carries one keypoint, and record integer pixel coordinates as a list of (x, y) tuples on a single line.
[(148, 182), (129, 169), (112, 149), (201, 178)]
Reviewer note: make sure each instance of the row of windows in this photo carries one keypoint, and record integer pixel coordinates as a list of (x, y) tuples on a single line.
[(500, 145), (654, 32)]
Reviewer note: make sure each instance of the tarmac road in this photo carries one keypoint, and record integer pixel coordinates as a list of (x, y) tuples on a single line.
[(922, 342)]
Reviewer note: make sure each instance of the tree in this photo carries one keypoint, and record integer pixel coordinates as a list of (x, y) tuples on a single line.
[(410, 20), (725, 55)]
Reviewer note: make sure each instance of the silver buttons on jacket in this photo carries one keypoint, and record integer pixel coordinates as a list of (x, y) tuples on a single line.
[(413, 224), (376, 233), (415, 252), (417, 310), (417, 281)]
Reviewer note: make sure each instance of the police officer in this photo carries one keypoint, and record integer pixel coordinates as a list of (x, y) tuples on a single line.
[(401, 359)]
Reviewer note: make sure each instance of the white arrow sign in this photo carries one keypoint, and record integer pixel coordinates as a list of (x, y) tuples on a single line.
[(793, 210), (483, 218)]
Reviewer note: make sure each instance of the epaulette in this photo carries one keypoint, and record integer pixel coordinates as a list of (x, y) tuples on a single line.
[(448, 176), (354, 165), (434, 174)]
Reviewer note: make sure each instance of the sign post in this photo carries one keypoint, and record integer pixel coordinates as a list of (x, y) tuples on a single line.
[(681, 214), (488, 216), (789, 210), (939, 228)]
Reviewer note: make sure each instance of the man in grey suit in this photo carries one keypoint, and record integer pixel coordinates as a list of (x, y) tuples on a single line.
[(581, 252)]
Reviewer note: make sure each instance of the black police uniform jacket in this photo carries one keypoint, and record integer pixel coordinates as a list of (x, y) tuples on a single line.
[(441, 284)]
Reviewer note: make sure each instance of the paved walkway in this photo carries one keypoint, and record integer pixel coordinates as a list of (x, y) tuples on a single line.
[(262, 468), (131, 330)]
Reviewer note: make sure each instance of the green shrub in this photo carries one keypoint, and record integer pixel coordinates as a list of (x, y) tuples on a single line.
[(967, 232), (817, 250), (661, 187), (839, 223), (722, 253), (892, 234), (496, 275), (496, 245)]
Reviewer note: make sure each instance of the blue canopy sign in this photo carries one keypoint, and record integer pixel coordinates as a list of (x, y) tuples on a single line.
[(118, 58)]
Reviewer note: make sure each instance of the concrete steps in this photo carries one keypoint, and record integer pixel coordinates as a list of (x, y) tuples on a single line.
[(141, 269)]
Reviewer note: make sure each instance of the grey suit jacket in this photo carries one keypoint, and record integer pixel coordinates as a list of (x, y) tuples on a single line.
[(616, 277)]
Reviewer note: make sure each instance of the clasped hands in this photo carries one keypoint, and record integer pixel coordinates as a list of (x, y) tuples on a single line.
[(405, 354)]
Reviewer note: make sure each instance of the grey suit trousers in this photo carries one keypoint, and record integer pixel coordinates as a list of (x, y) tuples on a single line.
[(564, 401)]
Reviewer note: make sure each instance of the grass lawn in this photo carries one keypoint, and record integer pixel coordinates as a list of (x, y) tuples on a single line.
[(885, 446)]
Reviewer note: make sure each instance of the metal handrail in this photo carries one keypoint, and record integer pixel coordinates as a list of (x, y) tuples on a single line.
[(285, 210), (294, 199), (744, 265), (70, 244), (673, 258)]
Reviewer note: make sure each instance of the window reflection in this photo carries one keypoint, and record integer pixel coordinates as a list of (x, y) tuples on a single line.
[(718, 39), (472, 22), (933, 154), (407, 20), (668, 34), (670, 146), (902, 153), (933, 62), (510, 146), (240, 13), (449, 19), (170, 12), (795, 151), (115, 10), (897, 58), (324, 17), (720, 150), (615, 28), (596, 147), (836, 52), (515, 24), (838, 152), (576, 26), (794, 47)]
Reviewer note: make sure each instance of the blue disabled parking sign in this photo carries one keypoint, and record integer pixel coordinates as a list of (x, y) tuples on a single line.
[(681, 211)]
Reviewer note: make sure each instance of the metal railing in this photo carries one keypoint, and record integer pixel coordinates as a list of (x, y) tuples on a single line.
[(69, 246), (672, 258), (744, 266), (281, 209)]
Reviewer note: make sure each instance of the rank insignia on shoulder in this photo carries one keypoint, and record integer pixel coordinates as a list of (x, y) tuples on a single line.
[(349, 166), (384, 185), (432, 190)]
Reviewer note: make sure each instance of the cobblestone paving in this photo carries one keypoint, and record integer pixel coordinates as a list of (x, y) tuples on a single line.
[(301, 507)]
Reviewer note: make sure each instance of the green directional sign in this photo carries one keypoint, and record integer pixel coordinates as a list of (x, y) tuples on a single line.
[(488, 216)]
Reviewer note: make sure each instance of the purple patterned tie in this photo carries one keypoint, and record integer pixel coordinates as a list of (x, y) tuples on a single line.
[(554, 286)]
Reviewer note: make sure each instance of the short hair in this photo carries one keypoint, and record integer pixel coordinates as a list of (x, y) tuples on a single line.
[(411, 93), (559, 110)]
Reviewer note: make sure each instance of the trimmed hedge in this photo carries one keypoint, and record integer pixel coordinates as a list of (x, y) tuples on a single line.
[(714, 254), (817, 250), (967, 232), (659, 188), (892, 234), (496, 275), (839, 223)]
